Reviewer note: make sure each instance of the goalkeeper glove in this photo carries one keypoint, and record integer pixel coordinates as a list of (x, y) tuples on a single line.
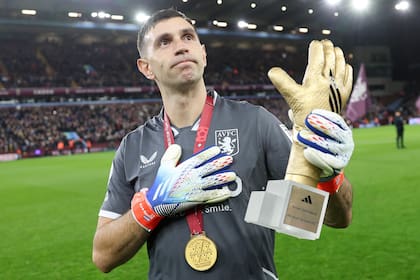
[(328, 143), (198, 180)]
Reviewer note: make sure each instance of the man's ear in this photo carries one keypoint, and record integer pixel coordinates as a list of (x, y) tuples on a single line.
[(144, 67)]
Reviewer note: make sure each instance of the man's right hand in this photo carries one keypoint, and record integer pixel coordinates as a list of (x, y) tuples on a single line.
[(198, 180)]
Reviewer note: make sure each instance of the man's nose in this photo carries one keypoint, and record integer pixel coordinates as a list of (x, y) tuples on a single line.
[(180, 47)]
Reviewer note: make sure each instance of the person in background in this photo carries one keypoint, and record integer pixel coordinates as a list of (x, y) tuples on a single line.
[(399, 125)]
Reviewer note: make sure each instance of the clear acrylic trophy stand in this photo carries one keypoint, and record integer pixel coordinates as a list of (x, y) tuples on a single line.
[(289, 207)]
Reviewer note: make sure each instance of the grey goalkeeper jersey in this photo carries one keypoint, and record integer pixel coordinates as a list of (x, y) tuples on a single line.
[(260, 147)]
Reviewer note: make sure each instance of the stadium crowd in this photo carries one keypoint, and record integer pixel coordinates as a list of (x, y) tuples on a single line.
[(38, 129), (52, 64), (32, 130)]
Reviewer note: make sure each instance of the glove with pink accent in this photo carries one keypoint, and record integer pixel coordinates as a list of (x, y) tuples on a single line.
[(328, 141), (198, 180)]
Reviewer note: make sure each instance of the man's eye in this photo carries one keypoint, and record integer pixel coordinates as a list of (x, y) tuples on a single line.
[(164, 42), (189, 37)]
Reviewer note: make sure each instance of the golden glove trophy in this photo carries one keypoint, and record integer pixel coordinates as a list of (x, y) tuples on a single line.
[(295, 206)]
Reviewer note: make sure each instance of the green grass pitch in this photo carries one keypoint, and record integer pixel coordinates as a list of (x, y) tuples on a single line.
[(49, 211)]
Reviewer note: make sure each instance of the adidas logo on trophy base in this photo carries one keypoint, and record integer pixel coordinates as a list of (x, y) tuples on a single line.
[(307, 199), (290, 208)]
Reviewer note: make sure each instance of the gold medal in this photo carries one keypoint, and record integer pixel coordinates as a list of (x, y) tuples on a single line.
[(200, 252)]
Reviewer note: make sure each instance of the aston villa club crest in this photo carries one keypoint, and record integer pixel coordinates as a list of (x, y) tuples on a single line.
[(228, 141)]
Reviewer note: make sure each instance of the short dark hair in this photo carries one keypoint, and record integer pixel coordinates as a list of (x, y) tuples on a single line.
[(155, 19)]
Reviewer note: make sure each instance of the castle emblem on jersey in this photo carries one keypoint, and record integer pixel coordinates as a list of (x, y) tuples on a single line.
[(228, 141)]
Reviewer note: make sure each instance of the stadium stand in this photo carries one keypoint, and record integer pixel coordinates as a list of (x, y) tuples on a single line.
[(108, 97), (49, 87), (68, 64), (37, 130)]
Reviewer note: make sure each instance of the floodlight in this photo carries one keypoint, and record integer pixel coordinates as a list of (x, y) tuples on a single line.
[(142, 17), (117, 17), (102, 14), (242, 24), (278, 28), (28, 12), (360, 5), (74, 14), (333, 2), (252, 26), (402, 6)]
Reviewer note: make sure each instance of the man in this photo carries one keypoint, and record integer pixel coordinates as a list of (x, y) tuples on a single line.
[(190, 209), (399, 125)]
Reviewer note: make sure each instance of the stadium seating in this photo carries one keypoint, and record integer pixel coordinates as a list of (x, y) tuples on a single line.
[(33, 124)]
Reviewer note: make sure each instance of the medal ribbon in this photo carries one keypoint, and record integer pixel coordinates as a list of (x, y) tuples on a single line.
[(195, 216)]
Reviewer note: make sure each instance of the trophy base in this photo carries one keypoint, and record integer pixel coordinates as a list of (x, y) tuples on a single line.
[(290, 208)]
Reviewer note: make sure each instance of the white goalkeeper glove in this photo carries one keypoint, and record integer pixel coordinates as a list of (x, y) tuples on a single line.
[(198, 180), (328, 141)]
